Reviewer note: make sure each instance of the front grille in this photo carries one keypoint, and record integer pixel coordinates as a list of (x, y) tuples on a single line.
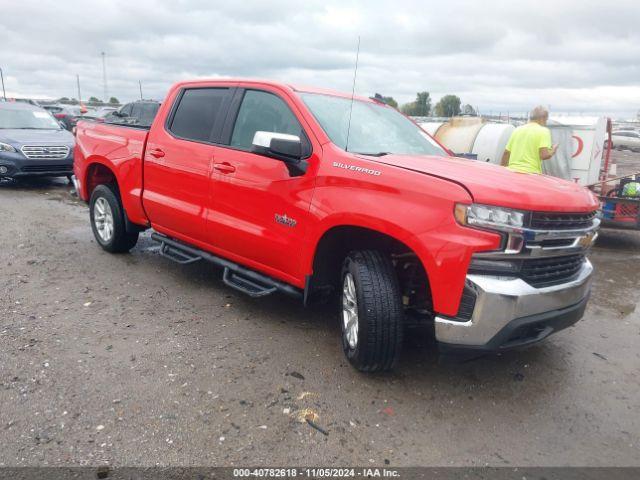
[(544, 272), (46, 168), (553, 242), (45, 152), (561, 221)]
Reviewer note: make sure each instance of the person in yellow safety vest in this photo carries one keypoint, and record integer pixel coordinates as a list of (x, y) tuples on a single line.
[(530, 144)]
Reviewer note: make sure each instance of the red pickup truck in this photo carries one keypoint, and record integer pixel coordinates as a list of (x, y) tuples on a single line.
[(319, 195)]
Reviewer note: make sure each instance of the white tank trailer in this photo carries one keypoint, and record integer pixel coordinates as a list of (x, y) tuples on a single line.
[(471, 136), (580, 140)]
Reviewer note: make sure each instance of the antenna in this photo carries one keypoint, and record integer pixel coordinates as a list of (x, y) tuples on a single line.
[(353, 92)]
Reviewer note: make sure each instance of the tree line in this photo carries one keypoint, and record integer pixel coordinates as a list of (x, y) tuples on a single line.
[(91, 101), (447, 106)]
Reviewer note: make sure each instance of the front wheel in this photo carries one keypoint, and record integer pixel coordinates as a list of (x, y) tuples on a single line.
[(371, 311), (107, 221)]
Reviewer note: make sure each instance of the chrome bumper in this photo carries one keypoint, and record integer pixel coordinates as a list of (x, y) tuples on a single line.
[(501, 301), (76, 183)]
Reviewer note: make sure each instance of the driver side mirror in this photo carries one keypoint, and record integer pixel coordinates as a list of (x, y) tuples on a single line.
[(281, 146)]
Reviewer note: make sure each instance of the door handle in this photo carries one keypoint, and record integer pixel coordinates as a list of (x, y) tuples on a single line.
[(224, 167), (156, 153)]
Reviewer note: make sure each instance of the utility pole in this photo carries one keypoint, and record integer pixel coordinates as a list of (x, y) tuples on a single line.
[(140, 85), (4, 93), (79, 94), (104, 78)]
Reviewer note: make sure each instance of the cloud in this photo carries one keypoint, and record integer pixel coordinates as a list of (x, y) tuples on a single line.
[(575, 55)]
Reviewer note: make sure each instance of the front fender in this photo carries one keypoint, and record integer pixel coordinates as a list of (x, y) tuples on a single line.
[(414, 209)]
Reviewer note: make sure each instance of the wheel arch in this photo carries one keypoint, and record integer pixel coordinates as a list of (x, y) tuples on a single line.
[(101, 173), (336, 242), (98, 173)]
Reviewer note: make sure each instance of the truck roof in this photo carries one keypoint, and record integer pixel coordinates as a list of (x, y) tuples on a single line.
[(273, 83)]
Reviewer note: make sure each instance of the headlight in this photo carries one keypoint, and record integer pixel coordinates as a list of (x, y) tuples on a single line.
[(487, 216), (5, 147)]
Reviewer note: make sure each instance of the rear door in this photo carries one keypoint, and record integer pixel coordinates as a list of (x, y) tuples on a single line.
[(178, 160), (259, 210)]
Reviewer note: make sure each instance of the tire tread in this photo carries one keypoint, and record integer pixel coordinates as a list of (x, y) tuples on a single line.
[(380, 306)]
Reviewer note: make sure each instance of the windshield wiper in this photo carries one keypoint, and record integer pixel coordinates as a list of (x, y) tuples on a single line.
[(378, 154)]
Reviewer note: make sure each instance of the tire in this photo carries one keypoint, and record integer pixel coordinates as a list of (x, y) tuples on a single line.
[(379, 319), (107, 221)]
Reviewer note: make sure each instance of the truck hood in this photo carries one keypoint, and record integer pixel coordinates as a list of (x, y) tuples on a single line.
[(495, 185), (19, 136)]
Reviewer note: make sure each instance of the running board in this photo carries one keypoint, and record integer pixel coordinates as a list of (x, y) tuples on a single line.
[(245, 285), (178, 256), (247, 281)]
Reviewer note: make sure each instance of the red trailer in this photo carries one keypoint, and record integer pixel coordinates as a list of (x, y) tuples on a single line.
[(619, 197)]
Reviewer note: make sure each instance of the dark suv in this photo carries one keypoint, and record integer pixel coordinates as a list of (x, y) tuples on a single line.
[(139, 113)]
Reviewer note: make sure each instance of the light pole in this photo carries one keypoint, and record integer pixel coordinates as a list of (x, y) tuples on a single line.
[(79, 95), (140, 85), (4, 94), (104, 77)]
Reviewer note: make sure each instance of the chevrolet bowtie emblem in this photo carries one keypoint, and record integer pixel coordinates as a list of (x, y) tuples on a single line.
[(587, 240)]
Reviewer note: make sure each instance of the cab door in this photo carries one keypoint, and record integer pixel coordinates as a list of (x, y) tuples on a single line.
[(259, 210), (178, 159)]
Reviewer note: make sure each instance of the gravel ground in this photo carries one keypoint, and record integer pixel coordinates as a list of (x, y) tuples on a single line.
[(134, 360)]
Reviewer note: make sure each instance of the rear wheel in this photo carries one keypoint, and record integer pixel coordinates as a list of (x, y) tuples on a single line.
[(371, 311), (107, 221)]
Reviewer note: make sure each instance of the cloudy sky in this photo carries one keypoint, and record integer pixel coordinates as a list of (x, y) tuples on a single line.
[(573, 55)]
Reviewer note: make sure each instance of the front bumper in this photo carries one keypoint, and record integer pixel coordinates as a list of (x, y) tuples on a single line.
[(509, 312), (17, 165)]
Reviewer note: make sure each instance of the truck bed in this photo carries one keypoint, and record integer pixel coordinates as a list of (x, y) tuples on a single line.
[(104, 149)]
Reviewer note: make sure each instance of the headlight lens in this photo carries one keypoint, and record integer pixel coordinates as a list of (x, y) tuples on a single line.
[(488, 216), (5, 147)]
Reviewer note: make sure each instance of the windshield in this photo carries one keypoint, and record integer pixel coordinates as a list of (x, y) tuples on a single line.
[(27, 119), (375, 129)]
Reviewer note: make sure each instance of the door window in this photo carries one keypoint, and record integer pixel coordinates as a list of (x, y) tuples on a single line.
[(263, 112), (197, 113)]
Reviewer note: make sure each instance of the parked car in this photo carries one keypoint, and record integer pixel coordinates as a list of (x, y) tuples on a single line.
[(26, 100), (101, 113), (315, 195), (625, 140), (32, 143), (66, 114), (140, 113)]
